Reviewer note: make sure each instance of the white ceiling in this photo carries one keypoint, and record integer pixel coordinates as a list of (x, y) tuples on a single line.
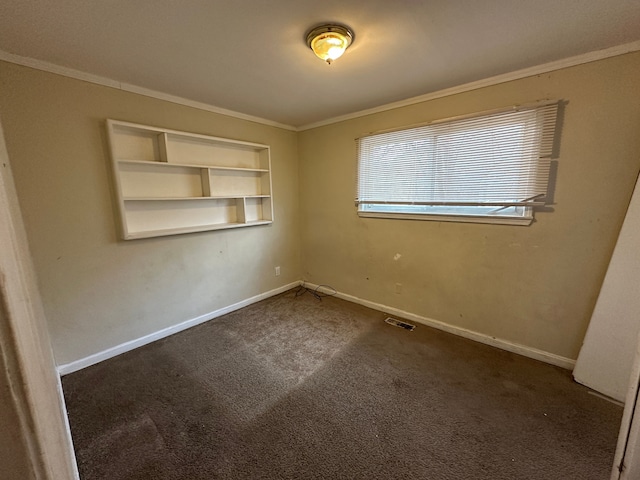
[(251, 57)]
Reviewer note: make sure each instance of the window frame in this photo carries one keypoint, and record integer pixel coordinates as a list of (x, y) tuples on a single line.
[(522, 214), (526, 218)]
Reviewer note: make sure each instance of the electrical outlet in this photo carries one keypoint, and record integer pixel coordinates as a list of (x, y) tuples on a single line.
[(398, 288), (277, 271)]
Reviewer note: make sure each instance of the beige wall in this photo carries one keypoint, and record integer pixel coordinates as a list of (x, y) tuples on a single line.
[(98, 291), (534, 285)]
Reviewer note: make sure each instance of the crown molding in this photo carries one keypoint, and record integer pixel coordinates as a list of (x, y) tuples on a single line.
[(107, 82), (487, 82)]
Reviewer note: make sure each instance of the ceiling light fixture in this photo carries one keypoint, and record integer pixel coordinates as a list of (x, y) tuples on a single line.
[(329, 42)]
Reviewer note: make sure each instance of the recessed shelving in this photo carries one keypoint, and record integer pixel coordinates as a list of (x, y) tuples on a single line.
[(170, 182)]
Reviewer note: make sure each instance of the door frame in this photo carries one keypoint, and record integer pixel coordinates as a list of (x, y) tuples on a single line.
[(34, 383), (626, 464)]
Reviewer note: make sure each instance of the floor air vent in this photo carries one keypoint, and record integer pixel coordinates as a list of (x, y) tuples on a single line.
[(398, 323)]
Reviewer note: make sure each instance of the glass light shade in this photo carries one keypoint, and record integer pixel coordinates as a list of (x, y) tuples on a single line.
[(329, 42)]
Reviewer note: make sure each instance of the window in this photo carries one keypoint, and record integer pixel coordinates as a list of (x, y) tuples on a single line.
[(491, 168)]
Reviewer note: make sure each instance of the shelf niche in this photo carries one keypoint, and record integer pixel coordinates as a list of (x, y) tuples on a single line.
[(170, 182)]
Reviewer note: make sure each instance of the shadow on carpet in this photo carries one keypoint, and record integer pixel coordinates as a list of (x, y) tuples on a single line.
[(297, 388)]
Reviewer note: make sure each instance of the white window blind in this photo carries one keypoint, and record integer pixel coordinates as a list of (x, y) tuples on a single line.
[(489, 164)]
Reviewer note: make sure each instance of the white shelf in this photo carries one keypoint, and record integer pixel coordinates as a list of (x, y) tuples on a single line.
[(173, 199), (199, 228), (159, 173), (186, 165)]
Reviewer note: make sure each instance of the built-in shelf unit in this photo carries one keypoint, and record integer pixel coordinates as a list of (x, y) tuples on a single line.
[(169, 182)]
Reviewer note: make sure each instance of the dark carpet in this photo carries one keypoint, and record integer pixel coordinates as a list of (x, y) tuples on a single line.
[(297, 388)]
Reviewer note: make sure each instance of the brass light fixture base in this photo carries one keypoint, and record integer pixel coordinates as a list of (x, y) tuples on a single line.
[(329, 41)]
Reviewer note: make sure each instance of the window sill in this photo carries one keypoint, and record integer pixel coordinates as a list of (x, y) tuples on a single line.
[(451, 218)]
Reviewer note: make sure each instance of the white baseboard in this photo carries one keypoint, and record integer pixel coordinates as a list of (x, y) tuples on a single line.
[(165, 332), (530, 352)]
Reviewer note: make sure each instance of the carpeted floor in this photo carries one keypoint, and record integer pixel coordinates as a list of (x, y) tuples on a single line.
[(297, 388)]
